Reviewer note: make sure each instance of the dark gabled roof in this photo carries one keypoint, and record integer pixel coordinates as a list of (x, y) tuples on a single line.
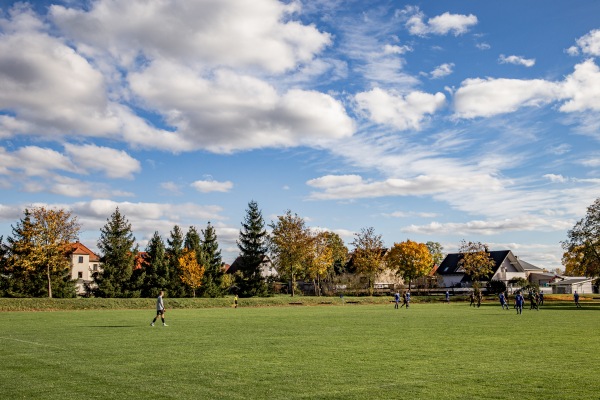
[(450, 264)]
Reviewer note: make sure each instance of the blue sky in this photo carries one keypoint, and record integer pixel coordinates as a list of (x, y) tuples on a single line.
[(433, 120)]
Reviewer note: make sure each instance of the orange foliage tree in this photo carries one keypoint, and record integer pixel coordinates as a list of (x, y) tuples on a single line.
[(410, 260), (191, 273)]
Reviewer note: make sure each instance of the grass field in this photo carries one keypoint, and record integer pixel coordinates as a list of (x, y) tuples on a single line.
[(431, 351)]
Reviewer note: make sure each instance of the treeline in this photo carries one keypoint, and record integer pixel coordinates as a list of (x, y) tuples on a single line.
[(34, 261)]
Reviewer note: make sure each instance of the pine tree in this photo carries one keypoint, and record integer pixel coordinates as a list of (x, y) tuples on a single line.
[(174, 251), (253, 249), (156, 267), (116, 245), (213, 275)]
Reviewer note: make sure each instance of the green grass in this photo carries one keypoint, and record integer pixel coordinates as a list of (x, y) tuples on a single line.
[(431, 351)]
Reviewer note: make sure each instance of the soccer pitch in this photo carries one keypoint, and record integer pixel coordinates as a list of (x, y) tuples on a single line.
[(430, 351)]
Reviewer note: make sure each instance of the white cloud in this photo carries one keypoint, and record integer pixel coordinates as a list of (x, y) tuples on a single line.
[(238, 112), (114, 163), (393, 49), (401, 112), (588, 44), (487, 227), (208, 186), (517, 60), (556, 178), (483, 46), (582, 88), (34, 161), (456, 24), (225, 32), (442, 70), (488, 97), (171, 187)]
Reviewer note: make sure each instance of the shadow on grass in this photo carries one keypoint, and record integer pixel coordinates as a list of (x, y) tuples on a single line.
[(110, 326)]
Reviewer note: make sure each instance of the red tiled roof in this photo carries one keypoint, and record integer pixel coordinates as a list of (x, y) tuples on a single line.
[(78, 248)]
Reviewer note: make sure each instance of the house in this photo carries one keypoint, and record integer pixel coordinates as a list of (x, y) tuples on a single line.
[(506, 268), (572, 284), (84, 263), (267, 269)]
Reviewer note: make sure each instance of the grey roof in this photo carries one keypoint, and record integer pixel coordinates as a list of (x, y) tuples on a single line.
[(450, 264), (528, 267)]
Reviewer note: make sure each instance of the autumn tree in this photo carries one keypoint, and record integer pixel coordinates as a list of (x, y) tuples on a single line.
[(576, 264), (118, 251), (213, 275), (39, 248), (368, 257), (410, 260), (476, 261), (290, 246), (156, 267), (583, 243), (252, 243), (174, 251), (321, 259), (191, 273)]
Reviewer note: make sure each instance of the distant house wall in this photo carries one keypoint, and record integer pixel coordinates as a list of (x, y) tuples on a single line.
[(569, 287)]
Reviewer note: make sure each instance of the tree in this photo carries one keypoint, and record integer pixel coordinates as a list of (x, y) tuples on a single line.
[(410, 260), (156, 267), (475, 261), (252, 243), (213, 275), (290, 246), (435, 249), (40, 247), (117, 246), (174, 251), (191, 272), (368, 255), (321, 259), (582, 246)]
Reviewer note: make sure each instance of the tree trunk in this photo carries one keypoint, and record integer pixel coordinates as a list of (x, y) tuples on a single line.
[(293, 284), (49, 281)]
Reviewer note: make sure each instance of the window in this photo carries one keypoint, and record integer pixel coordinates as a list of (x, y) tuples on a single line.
[(95, 268), (80, 275), (80, 259)]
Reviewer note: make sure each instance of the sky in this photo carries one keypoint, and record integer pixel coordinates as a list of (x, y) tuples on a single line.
[(430, 121)]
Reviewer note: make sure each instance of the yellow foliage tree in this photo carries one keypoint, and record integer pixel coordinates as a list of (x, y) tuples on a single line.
[(476, 261), (191, 273), (368, 256), (321, 259), (410, 260), (43, 242)]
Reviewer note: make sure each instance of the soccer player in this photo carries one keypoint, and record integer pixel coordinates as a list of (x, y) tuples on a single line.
[(447, 297), (235, 301), (503, 301), (519, 300), (396, 299), (576, 298), (160, 309)]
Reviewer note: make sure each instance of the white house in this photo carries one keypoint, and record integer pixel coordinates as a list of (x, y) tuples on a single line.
[(506, 267), (572, 284), (84, 263)]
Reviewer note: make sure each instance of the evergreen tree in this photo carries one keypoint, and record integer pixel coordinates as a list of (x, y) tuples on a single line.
[(116, 245), (156, 267), (213, 275), (253, 249), (174, 251)]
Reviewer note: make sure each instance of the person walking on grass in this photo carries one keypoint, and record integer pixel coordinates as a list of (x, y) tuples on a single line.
[(502, 298), (404, 302), (576, 298), (479, 298), (447, 297), (472, 298), (235, 301), (396, 299), (519, 302), (541, 303), (160, 309)]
